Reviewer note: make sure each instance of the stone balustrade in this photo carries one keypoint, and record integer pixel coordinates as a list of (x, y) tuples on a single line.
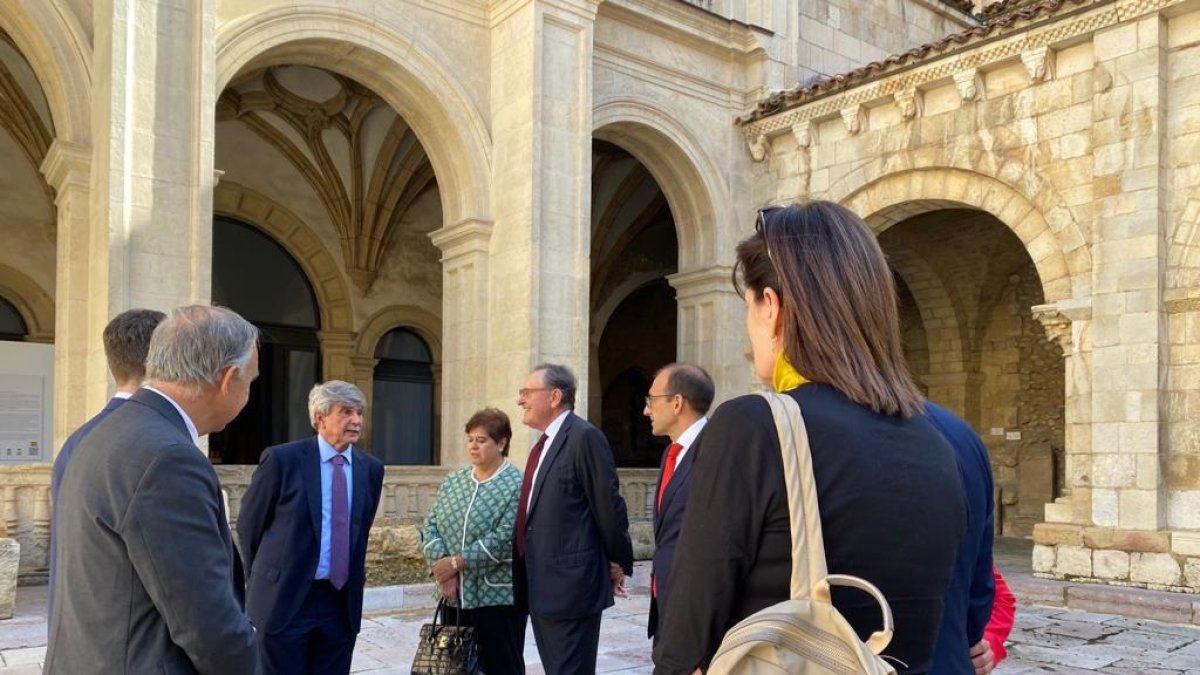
[(408, 494)]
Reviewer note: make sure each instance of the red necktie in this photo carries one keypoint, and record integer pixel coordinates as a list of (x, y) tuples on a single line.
[(668, 471), (527, 487)]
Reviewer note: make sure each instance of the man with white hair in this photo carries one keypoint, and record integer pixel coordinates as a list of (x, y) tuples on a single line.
[(145, 577), (303, 530)]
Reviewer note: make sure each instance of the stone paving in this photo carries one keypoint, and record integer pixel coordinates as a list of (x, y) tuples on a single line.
[(1045, 640)]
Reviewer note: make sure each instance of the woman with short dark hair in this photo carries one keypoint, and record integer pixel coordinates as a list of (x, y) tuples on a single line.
[(468, 539), (823, 326)]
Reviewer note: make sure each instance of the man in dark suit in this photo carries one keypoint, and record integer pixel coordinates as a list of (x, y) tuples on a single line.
[(145, 579), (968, 600), (572, 535), (303, 531), (126, 340), (679, 397)]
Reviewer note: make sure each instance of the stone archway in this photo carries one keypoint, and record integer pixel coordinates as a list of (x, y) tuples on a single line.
[(34, 304), (688, 177), (1056, 247), (56, 47), (319, 265), (400, 68)]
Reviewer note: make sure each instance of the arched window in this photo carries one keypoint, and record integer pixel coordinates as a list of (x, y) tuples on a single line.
[(254, 276), (402, 400), (12, 326)]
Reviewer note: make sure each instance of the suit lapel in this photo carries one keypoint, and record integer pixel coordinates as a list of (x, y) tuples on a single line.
[(358, 495), (310, 469), (551, 455)]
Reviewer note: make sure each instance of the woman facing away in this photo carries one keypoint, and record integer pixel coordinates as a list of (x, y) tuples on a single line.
[(468, 540), (823, 325)]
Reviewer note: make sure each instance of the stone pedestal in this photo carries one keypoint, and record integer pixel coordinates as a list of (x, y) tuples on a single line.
[(10, 559)]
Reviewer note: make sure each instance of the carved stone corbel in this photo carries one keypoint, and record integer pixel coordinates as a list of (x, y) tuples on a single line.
[(852, 117), (910, 102), (969, 84), (804, 133), (760, 147), (1039, 64), (1056, 325)]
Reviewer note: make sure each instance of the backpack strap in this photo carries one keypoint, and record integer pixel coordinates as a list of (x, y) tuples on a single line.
[(810, 574)]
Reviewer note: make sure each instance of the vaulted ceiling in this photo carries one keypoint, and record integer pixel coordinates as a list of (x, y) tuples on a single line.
[(357, 154)]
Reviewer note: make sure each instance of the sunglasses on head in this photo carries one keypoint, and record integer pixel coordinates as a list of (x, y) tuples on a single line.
[(760, 225)]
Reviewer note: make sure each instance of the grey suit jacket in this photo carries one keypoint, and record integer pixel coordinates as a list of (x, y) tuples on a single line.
[(145, 580)]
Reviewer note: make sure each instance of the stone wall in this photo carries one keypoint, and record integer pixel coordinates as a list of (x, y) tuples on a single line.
[(1075, 131)]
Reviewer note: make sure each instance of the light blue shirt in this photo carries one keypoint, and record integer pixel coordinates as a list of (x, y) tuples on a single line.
[(327, 452)]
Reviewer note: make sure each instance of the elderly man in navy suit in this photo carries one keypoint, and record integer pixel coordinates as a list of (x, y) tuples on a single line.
[(679, 397), (126, 341), (303, 531), (572, 535)]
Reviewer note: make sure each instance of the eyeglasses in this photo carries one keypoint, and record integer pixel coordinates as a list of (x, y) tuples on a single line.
[(760, 226), (524, 393), (650, 397)]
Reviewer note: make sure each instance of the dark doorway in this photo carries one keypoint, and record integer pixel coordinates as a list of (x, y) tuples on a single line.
[(254, 276), (402, 422)]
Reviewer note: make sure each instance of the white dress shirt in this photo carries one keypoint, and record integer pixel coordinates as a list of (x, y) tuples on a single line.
[(688, 437), (550, 433)]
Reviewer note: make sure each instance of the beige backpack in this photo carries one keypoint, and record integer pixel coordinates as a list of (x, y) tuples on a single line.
[(805, 635)]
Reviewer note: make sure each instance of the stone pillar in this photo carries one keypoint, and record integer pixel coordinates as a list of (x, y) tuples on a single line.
[(712, 328), (154, 116), (464, 365), (1129, 322), (541, 123), (337, 356), (80, 372), (1067, 325)]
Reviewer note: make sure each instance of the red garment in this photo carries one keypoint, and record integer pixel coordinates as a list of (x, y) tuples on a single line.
[(1004, 612)]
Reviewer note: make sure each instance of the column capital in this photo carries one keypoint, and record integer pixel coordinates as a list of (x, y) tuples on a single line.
[(468, 236), (67, 165), (703, 281), (1063, 322)]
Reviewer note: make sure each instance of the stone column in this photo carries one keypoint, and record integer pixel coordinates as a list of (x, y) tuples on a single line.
[(464, 362), (1129, 322), (80, 372), (540, 259), (712, 328), (1066, 324), (154, 116), (337, 355)]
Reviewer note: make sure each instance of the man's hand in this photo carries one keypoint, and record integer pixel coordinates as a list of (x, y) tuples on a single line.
[(981, 658), (617, 576), (443, 570)]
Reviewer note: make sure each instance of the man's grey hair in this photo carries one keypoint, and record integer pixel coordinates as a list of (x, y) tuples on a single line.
[(195, 343), (555, 376), (324, 396)]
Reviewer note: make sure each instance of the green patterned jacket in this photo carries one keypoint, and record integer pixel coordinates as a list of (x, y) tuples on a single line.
[(476, 521)]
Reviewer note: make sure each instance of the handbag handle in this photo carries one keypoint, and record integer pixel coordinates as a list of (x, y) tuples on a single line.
[(810, 574)]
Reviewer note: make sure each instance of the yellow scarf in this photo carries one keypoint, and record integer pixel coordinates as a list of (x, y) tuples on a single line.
[(785, 376)]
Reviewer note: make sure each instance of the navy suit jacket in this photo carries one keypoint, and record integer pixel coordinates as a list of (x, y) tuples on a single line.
[(668, 521), (279, 530), (575, 525), (56, 478), (968, 599)]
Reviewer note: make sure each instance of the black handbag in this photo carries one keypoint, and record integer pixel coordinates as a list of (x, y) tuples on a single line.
[(446, 650)]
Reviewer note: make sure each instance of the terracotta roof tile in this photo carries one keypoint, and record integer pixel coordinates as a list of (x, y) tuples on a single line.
[(998, 15)]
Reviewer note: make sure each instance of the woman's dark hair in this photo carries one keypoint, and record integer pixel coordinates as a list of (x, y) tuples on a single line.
[(840, 322), (495, 424)]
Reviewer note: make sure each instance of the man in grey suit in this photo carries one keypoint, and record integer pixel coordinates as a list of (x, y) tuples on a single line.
[(145, 578)]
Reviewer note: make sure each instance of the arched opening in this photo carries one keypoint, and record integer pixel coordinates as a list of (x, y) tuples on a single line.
[(254, 276), (634, 248), (402, 418), (967, 286), (12, 326)]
